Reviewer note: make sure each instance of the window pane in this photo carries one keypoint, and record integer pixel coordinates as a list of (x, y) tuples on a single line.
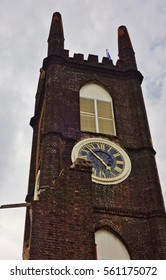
[(88, 123), (104, 109), (106, 126), (87, 105)]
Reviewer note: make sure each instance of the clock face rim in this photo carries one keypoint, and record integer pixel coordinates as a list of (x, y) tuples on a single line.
[(106, 181)]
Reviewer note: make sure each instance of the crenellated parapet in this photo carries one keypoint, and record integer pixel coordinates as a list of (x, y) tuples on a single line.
[(123, 68), (126, 59), (78, 58)]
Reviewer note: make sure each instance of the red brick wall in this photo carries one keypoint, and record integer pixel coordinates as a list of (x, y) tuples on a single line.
[(63, 220)]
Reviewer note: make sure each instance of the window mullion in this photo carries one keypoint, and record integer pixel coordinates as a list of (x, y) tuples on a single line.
[(113, 118), (96, 116)]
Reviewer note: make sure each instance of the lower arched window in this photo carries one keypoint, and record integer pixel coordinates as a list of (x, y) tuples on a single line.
[(109, 246)]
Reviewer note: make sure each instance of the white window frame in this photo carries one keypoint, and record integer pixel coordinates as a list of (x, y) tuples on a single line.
[(97, 93)]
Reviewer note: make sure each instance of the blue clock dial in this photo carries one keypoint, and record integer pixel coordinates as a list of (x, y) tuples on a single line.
[(106, 160), (110, 163)]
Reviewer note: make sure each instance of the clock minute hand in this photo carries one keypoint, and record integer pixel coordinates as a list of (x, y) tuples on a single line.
[(103, 162)]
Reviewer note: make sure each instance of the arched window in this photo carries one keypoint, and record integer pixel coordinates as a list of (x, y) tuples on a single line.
[(109, 246), (96, 110)]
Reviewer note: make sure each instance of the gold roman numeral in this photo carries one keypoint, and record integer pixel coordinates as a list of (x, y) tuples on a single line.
[(100, 146), (83, 157), (94, 171), (116, 155), (110, 148), (102, 174), (84, 150), (91, 146), (118, 169), (120, 162)]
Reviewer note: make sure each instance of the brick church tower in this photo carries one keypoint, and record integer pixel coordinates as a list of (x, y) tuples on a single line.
[(94, 191)]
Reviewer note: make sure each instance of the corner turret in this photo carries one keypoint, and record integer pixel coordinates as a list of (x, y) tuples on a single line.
[(126, 52), (56, 35)]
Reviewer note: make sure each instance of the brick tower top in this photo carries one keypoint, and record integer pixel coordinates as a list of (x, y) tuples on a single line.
[(56, 39)]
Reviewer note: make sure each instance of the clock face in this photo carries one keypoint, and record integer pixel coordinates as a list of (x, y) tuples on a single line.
[(110, 164)]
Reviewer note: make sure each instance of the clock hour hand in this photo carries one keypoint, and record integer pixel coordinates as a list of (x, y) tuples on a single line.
[(99, 158)]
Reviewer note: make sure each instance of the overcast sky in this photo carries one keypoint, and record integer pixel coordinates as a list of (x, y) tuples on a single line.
[(89, 27)]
